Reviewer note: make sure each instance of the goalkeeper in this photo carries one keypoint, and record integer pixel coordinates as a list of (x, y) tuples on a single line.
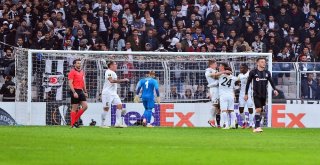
[(148, 86)]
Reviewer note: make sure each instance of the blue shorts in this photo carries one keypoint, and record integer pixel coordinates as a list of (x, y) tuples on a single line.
[(148, 104)]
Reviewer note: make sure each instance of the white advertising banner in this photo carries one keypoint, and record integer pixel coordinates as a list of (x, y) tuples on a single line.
[(166, 115), (295, 116), (19, 113), (169, 115)]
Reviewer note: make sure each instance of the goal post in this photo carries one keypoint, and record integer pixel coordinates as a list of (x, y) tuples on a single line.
[(46, 74)]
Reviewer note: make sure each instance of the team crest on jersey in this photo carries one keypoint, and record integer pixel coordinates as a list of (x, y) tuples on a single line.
[(257, 79)]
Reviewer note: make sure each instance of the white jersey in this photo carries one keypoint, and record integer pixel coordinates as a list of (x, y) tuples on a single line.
[(243, 79), (108, 87), (226, 85), (212, 82)]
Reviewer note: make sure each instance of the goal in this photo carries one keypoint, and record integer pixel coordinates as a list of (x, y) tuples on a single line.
[(43, 85)]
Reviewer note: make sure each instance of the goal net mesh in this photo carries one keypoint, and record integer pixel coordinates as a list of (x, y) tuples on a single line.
[(180, 76)]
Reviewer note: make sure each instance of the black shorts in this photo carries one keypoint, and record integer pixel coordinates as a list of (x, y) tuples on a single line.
[(81, 97), (259, 102)]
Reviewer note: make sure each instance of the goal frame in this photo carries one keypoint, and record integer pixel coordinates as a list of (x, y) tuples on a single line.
[(31, 51)]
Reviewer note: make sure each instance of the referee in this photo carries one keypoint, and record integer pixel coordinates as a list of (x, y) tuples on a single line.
[(260, 78), (78, 93)]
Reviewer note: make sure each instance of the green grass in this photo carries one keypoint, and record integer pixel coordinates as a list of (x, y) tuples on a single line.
[(93, 146)]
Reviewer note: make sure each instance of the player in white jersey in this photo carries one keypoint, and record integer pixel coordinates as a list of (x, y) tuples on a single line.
[(226, 94), (212, 76), (110, 97), (243, 77)]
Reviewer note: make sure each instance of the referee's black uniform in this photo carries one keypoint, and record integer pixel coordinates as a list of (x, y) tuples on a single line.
[(260, 85)]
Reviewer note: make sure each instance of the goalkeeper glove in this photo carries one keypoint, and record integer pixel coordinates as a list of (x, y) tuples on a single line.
[(136, 99), (158, 100)]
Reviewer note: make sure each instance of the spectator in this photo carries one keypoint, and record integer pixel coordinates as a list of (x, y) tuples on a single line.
[(188, 94), (20, 43), (8, 62), (304, 66), (174, 94), (80, 36), (241, 45), (283, 17), (135, 41), (258, 46), (194, 47), (308, 87), (285, 56), (151, 39), (95, 40), (128, 16), (318, 90), (23, 31), (117, 44), (8, 90), (200, 93), (103, 25), (47, 43)]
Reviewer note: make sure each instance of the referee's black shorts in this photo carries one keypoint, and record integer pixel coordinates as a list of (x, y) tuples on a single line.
[(259, 102), (81, 97)]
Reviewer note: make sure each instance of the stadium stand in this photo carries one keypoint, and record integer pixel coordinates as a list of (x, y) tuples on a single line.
[(288, 29)]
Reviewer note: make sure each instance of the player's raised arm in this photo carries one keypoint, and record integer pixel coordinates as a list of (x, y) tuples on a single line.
[(117, 80)]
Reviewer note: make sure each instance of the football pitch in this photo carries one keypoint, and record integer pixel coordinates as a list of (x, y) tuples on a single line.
[(136, 145)]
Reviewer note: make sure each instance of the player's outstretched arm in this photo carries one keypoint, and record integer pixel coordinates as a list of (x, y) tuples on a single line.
[(216, 75), (118, 80), (157, 91)]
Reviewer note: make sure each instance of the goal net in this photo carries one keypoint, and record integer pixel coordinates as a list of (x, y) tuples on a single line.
[(43, 84)]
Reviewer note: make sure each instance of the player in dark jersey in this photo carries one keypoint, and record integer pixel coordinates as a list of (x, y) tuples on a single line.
[(260, 78)]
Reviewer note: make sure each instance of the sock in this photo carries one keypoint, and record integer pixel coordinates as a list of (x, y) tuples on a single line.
[(80, 112), (73, 117), (213, 113), (218, 117), (103, 118), (228, 119), (242, 117), (233, 119), (257, 118), (118, 116), (224, 118), (149, 115), (145, 115), (250, 119)]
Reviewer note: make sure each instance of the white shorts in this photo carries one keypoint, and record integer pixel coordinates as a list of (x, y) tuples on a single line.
[(214, 93), (108, 100), (243, 103), (227, 103)]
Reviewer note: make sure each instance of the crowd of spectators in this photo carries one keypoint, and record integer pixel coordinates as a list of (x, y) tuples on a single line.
[(287, 28)]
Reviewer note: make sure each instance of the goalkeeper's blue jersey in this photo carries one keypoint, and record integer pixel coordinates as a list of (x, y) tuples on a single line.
[(148, 86)]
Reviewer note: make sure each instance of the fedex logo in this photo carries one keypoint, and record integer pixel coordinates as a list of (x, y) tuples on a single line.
[(131, 117), (278, 112), (177, 119)]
